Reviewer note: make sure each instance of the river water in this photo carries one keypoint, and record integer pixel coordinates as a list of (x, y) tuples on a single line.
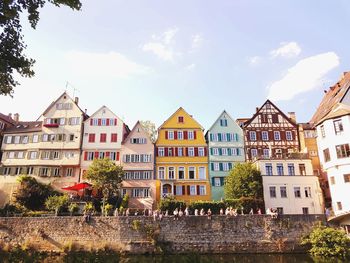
[(193, 258)]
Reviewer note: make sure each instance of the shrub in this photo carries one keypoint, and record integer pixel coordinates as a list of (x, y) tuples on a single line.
[(12, 209), (125, 201), (107, 210), (56, 203), (247, 203), (214, 206), (73, 208), (328, 242), (170, 203), (89, 207)]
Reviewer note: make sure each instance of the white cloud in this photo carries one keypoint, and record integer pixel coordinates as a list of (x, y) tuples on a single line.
[(110, 64), (169, 35), (196, 41), (306, 75), (286, 50), (254, 61), (190, 67)]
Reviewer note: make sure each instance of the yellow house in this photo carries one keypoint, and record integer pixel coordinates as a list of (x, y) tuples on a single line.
[(182, 159)]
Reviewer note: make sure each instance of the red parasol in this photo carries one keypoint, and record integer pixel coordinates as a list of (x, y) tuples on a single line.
[(77, 187)]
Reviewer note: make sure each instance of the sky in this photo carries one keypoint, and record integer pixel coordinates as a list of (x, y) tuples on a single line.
[(144, 59)]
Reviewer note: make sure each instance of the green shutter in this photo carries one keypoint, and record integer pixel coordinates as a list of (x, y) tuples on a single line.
[(219, 137), (220, 151), (221, 167)]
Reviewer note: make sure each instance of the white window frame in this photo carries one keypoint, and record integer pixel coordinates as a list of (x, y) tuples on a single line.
[(171, 173), (161, 151), (265, 135), (224, 151), (161, 173), (179, 190), (252, 135), (202, 173), (276, 135), (254, 152), (202, 190), (193, 190), (215, 151), (216, 167), (179, 151), (191, 151), (289, 136), (170, 135), (181, 169), (180, 135), (190, 135), (217, 181), (192, 169)]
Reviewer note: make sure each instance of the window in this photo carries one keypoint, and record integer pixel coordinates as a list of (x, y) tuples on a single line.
[(161, 173), (192, 190), (71, 137), (266, 153), (56, 155), (202, 190), (179, 190), (307, 192), (171, 135), (215, 151), (30, 170), (123, 192), (114, 137), (277, 135), (217, 181), (7, 170), (224, 151), (33, 155), (283, 191), (191, 172), (225, 167), (161, 151), (190, 151), (201, 171), (18, 170), (338, 126), (252, 135), (171, 173), (56, 172), (343, 151), (8, 139), (25, 139), (332, 180), (20, 155), (69, 172), (103, 122), (272, 191), (44, 171), (11, 155), (111, 122), (45, 137), (200, 151), (17, 139), (223, 122), (346, 178), (112, 156), (179, 151), (180, 135), (323, 133), (289, 136), (190, 135), (90, 156), (180, 119), (297, 193), (103, 137), (264, 135), (254, 152), (302, 169), (91, 137), (280, 169), (35, 138), (274, 118), (326, 155), (339, 206), (181, 172), (268, 168), (313, 153), (291, 170), (170, 151), (280, 210), (216, 166), (224, 137), (305, 210)]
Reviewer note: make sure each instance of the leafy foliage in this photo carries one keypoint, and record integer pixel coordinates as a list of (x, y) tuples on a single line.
[(150, 128), (55, 203), (107, 209), (328, 242), (125, 201), (244, 180), (170, 203), (31, 194), (12, 46), (73, 208)]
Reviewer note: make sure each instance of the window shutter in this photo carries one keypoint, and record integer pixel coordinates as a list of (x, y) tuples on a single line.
[(230, 166), (219, 137), (185, 135), (220, 151), (228, 136), (222, 181), (107, 122), (91, 122), (195, 151), (115, 122), (238, 151), (156, 149), (229, 152), (107, 154), (236, 137), (166, 151), (195, 134), (205, 151), (117, 156), (211, 151), (176, 151), (213, 181), (85, 156), (183, 190), (221, 167), (212, 166), (166, 134), (174, 192), (175, 135), (188, 190), (96, 155), (198, 190), (99, 122), (211, 137), (283, 135), (186, 151)]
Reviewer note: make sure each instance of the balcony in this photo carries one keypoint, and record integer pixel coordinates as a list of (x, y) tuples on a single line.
[(51, 125), (288, 156)]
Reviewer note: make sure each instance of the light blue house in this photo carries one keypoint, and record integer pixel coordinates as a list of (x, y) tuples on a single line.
[(226, 148)]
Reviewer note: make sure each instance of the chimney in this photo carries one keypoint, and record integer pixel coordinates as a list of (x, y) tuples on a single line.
[(10, 115), (256, 109), (16, 117), (292, 116), (76, 100), (85, 111)]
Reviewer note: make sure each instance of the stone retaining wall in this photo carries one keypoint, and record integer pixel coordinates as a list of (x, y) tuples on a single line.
[(138, 234)]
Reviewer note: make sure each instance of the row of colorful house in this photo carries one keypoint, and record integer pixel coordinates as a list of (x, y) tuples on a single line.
[(185, 161)]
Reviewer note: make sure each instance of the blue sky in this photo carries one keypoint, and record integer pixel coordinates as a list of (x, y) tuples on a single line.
[(144, 59)]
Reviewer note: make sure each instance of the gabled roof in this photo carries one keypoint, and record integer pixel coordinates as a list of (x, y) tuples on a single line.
[(337, 111), (334, 95), (7, 119), (103, 106), (180, 109), (222, 113), (258, 111), (24, 126), (132, 130)]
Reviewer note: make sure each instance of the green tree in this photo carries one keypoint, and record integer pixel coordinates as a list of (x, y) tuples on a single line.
[(328, 242), (31, 194), (12, 46), (150, 128), (55, 203), (244, 180), (73, 208), (104, 174)]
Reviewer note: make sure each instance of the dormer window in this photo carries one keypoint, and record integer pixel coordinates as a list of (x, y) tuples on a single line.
[(180, 119), (223, 122)]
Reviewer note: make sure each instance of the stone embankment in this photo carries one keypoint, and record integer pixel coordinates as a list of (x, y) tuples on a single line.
[(138, 234)]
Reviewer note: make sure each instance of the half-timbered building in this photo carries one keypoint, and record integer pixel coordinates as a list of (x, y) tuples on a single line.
[(270, 133)]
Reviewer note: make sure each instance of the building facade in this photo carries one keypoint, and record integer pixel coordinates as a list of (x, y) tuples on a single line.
[(138, 163), (332, 121), (182, 158), (226, 148), (6, 122), (103, 135), (290, 186), (270, 133)]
